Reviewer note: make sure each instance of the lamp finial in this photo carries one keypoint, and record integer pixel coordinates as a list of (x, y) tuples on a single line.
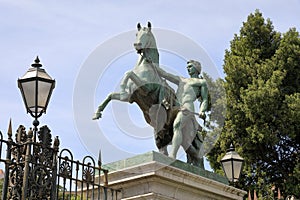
[(36, 63)]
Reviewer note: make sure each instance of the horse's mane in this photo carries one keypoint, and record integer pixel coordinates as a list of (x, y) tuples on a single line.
[(152, 52)]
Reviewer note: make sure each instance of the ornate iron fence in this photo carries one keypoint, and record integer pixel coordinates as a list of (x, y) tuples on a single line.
[(82, 180), (35, 170)]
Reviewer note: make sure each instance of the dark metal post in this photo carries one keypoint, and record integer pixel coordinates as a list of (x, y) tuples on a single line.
[(54, 167), (8, 161), (26, 165)]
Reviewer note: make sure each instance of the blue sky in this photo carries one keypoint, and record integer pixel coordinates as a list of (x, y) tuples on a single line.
[(67, 35)]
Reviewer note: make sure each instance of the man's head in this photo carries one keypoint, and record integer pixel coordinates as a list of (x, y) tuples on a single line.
[(195, 64)]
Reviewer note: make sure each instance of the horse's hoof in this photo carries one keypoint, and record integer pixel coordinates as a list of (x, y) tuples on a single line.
[(97, 116)]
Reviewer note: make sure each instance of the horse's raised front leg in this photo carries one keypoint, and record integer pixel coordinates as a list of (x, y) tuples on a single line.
[(135, 79), (111, 96)]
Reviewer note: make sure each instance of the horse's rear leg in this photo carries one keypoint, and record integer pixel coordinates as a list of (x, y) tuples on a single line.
[(164, 150), (111, 96)]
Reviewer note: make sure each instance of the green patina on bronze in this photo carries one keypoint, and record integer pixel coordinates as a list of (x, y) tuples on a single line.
[(147, 89), (172, 116)]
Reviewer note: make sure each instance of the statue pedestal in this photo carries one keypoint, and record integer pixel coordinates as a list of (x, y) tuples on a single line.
[(155, 176)]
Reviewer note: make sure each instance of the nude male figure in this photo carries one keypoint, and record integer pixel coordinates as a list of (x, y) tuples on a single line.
[(190, 89)]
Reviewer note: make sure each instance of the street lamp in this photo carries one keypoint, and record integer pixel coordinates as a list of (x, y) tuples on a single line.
[(36, 87), (232, 164)]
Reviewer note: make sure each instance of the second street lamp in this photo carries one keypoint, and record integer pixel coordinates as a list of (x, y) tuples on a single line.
[(36, 87), (232, 164)]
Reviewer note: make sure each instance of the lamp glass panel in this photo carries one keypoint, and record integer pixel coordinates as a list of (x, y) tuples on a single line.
[(29, 89), (227, 166), (43, 93), (237, 169)]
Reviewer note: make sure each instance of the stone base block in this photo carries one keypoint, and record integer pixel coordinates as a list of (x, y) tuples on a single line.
[(155, 176)]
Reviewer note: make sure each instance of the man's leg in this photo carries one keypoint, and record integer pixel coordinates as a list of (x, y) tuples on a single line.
[(177, 137)]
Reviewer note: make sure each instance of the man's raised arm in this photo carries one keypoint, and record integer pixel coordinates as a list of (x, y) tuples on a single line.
[(170, 77)]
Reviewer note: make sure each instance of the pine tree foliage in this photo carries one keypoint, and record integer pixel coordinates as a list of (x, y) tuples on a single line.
[(262, 87), (216, 115)]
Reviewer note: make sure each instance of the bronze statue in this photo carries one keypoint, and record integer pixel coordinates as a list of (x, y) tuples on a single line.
[(166, 112), (144, 86)]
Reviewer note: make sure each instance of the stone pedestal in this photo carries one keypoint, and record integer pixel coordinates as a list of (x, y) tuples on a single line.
[(155, 176)]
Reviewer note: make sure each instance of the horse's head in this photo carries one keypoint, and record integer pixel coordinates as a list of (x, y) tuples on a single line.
[(144, 38)]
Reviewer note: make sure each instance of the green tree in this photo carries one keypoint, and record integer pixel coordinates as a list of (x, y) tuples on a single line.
[(1, 186), (262, 82), (217, 111)]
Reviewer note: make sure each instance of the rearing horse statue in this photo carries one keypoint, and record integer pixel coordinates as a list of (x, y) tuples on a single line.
[(144, 86)]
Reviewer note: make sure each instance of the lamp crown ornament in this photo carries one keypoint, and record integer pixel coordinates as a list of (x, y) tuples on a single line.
[(36, 63), (231, 148)]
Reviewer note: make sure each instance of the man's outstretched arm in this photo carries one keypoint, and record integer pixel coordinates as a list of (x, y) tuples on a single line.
[(170, 77)]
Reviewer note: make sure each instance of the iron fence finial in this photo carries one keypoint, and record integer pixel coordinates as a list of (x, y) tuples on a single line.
[(9, 131)]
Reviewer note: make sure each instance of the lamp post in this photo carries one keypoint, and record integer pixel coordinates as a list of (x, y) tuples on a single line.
[(36, 87), (232, 165)]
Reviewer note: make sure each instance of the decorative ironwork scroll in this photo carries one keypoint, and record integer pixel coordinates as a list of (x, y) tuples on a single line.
[(35, 171)]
